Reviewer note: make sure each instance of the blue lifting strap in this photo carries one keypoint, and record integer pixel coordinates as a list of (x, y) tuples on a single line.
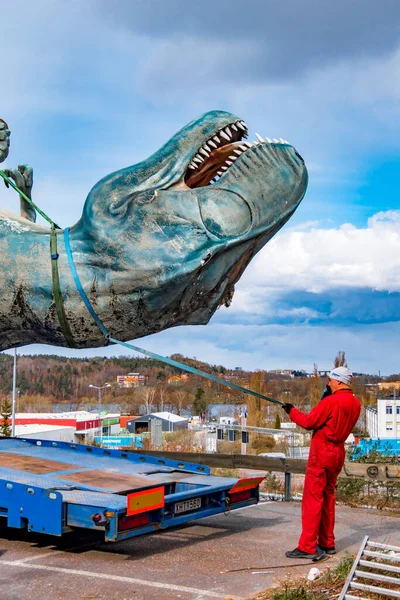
[(164, 359)]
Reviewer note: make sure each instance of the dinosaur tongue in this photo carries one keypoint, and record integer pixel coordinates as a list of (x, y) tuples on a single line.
[(209, 168)]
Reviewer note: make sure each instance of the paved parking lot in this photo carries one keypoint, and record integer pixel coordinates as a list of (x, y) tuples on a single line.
[(189, 562)]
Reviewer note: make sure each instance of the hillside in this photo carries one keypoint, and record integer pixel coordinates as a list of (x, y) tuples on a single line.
[(50, 382)]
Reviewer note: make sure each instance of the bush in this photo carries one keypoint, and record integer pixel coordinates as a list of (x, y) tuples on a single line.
[(263, 443), (272, 484), (349, 491)]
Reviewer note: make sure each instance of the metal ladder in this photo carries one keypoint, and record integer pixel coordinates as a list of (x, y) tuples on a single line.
[(381, 557)]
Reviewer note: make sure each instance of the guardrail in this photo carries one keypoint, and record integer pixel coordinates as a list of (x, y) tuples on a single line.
[(288, 466)]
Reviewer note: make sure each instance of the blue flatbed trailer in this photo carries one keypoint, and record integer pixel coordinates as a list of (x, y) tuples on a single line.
[(57, 487)]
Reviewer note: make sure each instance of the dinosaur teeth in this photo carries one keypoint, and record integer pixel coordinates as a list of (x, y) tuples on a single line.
[(206, 147), (282, 141), (276, 141), (224, 168), (228, 162), (228, 132), (204, 152), (198, 159), (239, 152), (258, 136), (212, 144), (232, 157), (216, 138), (269, 140), (248, 144), (223, 134), (234, 127), (192, 167)]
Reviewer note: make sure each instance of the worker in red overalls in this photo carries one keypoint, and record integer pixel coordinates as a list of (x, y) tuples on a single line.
[(331, 421)]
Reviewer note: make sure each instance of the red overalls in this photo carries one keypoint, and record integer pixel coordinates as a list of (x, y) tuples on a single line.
[(332, 420)]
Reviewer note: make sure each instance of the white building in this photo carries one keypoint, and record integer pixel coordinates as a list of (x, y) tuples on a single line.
[(383, 420), (228, 421), (56, 433)]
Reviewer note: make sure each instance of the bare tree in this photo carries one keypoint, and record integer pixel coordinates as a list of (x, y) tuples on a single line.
[(147, 394), (340, 359), (180, 398), (256, 408), (315, 387), (162, 393)]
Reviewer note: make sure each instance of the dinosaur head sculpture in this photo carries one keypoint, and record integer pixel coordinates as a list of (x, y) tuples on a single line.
[(163, 242), (186, 222)]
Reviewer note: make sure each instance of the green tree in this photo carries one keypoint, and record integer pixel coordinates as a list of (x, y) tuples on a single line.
[(160, 376), (6, 411), (199, 402), (277, 421)]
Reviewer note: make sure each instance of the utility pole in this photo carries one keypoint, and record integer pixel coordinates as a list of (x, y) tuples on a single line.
[(99, 388), (14, 394), (243, 424)]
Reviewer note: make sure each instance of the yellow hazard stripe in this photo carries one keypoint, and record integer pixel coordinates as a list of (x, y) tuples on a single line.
[(139, 502)]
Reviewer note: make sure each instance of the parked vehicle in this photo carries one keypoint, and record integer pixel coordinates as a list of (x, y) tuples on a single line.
[(56, 487)]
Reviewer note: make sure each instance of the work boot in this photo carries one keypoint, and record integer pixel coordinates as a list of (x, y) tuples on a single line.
[(297, 553), (331, 550)]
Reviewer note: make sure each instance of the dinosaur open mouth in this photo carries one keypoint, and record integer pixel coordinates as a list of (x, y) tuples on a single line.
[(219, 153)]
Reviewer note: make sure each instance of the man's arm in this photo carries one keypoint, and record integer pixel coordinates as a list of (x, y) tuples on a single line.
[(316, 418)]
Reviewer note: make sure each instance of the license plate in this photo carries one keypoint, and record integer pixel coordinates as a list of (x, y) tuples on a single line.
[(186, 505)]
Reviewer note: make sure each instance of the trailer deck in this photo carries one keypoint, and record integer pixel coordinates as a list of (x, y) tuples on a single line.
[(55, 487)]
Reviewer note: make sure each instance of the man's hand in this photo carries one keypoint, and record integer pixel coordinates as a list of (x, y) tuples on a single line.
[(287, 407), (327, 392)]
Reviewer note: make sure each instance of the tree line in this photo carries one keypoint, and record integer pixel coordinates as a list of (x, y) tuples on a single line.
[(48, 382)]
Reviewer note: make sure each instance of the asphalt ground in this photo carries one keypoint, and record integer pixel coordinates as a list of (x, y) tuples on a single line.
[(195, 562)]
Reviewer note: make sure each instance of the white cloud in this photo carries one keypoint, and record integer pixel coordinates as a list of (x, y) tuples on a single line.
[(317, 260)]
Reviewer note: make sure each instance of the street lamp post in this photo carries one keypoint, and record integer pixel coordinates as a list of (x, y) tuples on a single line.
[(99, 388), (14, 394)]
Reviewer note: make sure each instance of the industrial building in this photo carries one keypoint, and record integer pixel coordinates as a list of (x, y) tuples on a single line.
[(169, 422), (56, 433), (77, 426)]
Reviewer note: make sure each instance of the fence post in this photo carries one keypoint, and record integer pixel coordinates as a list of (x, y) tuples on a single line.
[(288, 485)]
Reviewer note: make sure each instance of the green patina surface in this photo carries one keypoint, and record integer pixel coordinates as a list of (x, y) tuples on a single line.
[(159, 244)]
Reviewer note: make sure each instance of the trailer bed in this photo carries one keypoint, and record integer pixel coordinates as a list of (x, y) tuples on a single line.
[(55, 487)]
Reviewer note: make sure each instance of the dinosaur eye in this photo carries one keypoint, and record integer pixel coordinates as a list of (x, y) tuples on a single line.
[(206, 259), (225, 216)]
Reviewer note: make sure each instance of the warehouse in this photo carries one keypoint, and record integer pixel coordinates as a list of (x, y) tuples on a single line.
[(169, 422)]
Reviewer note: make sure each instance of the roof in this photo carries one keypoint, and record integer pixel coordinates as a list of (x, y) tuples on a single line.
[(166, 416), (77, 414)]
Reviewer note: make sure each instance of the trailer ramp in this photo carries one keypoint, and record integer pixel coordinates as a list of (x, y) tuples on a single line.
[(369, 572)]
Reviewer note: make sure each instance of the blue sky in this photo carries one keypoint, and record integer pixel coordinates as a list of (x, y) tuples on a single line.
[(90, 87)]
